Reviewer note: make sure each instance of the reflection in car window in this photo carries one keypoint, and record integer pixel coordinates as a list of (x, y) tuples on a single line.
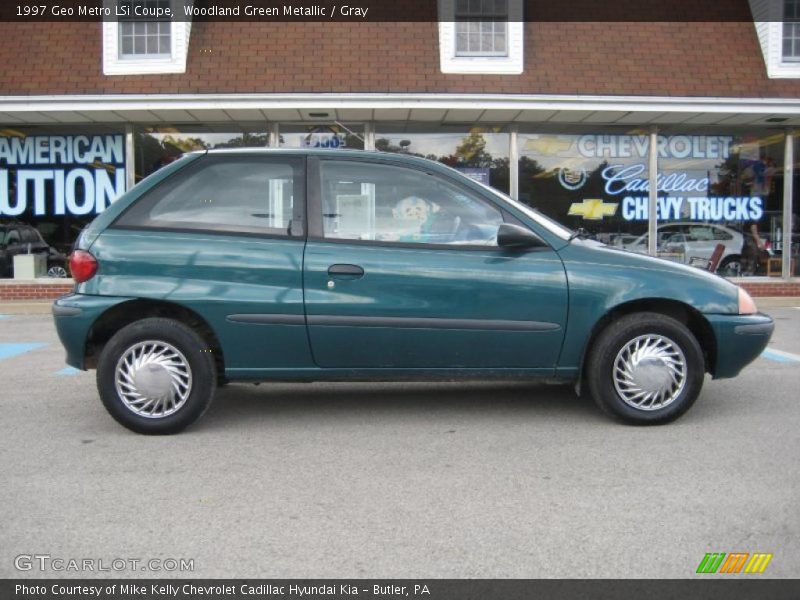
[(700, 233), (721, 234), (240, 194), (365, 201)]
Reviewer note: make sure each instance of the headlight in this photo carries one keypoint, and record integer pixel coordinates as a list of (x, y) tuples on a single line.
[(746, 304)]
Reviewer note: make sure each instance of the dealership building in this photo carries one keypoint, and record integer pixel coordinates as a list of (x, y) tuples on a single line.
[(686, 131)]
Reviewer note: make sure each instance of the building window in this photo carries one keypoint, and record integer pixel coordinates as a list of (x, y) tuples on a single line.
[(481, 36), (133, 46), (712, 189), (791, 31), (777, 24), (481, 153), (481, 27), (139, 39)]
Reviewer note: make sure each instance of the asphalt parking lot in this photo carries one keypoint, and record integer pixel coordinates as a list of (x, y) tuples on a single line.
[(507, 480)]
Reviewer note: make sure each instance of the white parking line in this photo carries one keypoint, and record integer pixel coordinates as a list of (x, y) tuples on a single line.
[(780, 356)]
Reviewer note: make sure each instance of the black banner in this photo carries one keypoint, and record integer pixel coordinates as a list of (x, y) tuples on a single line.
[(367, 11), (705, 587)]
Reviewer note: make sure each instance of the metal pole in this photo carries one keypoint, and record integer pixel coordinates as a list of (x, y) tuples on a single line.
[(130, 158), (652, 217), (274, 136), (513, 163), (369, 136), (788, 191)]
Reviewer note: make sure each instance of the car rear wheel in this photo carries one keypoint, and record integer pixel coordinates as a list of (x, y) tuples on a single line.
[(645, 368), (57, 271), (156, 376)]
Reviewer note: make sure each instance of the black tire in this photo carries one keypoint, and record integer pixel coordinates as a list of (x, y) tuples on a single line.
[(611, 341), (202, 371), (731, 266)]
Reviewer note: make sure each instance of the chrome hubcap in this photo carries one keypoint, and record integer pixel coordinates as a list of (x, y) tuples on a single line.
[(153, 379), (649, 372)]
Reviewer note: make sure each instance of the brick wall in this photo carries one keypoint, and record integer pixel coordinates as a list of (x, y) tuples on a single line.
[(619, 58), (32, 291), (767, 289)]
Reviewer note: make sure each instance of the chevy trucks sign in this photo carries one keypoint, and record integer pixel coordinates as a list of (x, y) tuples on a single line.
[(60, 174), (701, 177)]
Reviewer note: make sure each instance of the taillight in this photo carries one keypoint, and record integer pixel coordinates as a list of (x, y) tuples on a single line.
[(82, 265)]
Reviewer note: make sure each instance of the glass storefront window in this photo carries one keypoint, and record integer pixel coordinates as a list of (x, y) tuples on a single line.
[(159, 146), (721, 200), (323, 136), (58, 178), (597, 182), (478, 152), (720, 195)]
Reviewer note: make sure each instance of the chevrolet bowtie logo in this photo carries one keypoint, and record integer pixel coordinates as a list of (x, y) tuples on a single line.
[(548, 145), (593, 210)]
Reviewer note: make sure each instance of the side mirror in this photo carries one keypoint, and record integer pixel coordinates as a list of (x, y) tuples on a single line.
[(514, 236)]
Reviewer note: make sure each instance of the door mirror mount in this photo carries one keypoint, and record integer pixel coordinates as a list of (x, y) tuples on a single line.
[(514, 236)]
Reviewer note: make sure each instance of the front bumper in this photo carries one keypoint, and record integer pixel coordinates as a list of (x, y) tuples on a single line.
[(74, 316), (740, 340)]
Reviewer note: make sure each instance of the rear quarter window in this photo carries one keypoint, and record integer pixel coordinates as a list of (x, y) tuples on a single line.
[(237, 194)]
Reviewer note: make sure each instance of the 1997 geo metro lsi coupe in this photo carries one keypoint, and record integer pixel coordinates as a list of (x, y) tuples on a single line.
[(304, 265)]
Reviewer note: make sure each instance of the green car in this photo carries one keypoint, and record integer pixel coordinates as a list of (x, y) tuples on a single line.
[(303, 265)]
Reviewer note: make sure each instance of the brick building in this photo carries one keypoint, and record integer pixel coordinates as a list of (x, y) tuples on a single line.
[(567, 116)]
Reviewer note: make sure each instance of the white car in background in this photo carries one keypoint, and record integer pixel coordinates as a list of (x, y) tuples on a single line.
[(696, 241)]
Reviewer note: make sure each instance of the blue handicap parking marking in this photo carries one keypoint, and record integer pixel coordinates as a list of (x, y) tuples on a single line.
[(11, 350), (4, 317), (68, 371), (781, 356)]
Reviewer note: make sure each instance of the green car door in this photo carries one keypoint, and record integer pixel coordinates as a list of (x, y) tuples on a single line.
[(402, 270), (222, 237)]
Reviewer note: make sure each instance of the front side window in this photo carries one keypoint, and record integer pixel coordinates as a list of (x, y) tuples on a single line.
[(364, 201), (225, 194), (481, 27)]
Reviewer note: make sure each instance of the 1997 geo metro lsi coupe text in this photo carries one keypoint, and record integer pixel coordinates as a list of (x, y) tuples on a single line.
[(304, 265)]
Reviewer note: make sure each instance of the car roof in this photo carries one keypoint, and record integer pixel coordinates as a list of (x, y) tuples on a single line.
[(327, 153)]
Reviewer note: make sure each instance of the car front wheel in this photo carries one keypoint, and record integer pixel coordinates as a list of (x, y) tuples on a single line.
[(731, 266), (645, 368), (156, 376)]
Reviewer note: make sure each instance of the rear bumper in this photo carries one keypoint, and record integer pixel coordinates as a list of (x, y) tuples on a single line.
[(740, 340), (74, 315)]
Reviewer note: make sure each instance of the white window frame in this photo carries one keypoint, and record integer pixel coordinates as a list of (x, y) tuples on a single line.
[(767, 17), (114, 64), (510, 64)]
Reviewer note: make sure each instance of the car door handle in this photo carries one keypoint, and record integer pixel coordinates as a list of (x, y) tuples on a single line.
[(346, 271)]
